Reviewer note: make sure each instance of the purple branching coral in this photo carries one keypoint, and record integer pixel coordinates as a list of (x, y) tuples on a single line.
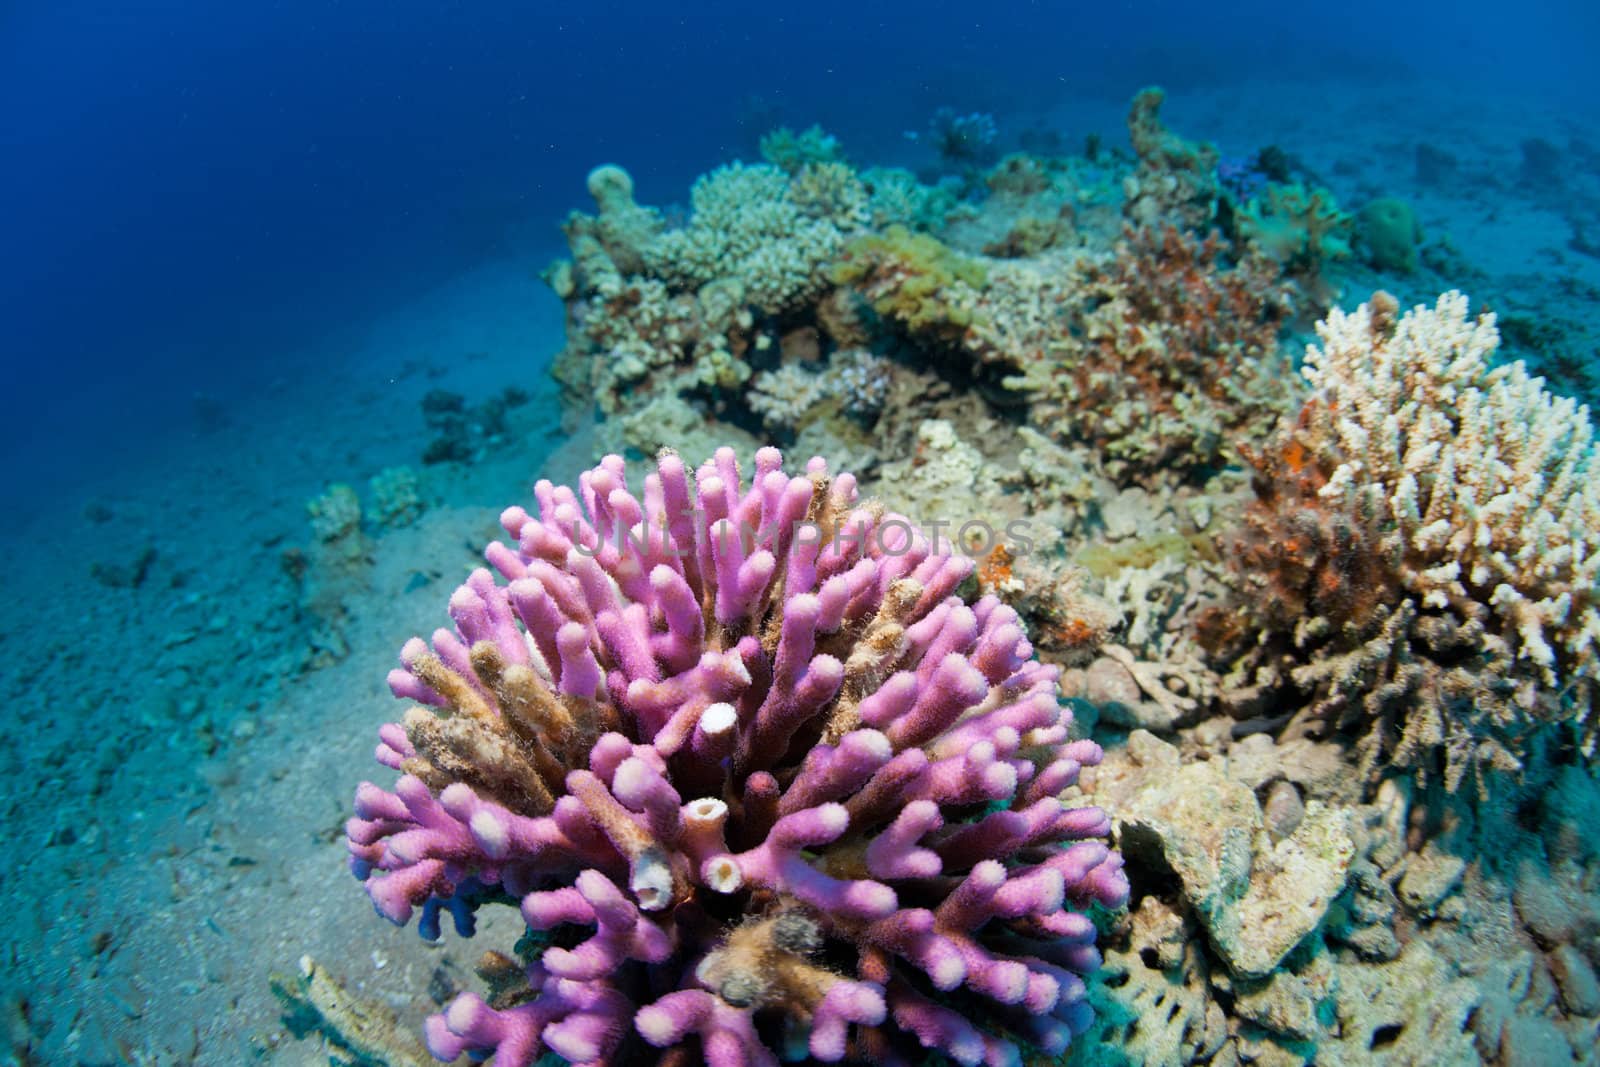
[(757, 778)]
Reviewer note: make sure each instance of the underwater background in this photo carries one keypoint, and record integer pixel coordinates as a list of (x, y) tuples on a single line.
[(296, 301)]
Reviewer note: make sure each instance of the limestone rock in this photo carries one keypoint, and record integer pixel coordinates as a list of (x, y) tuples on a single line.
[(1257, 899), (1253, 760), (1111, 686), (1259, 1051), (1413, 1010), (1286, 1003), (1534, 1041), (1367, 924), (1580, 990), (1105, 681), (1321, 768), (1291, 886), (1202, 826), (1555, 909), (1152, 1004), (1431, 875)]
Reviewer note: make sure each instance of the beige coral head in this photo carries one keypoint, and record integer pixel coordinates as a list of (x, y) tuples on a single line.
[(611, 187)]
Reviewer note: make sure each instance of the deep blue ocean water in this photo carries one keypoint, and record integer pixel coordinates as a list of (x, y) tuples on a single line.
[(191, 193)]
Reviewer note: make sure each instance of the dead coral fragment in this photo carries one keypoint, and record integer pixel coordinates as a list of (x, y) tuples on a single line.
[(363, 1031)]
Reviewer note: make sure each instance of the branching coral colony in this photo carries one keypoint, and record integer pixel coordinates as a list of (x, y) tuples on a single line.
[(1425, 536), (758, 778)]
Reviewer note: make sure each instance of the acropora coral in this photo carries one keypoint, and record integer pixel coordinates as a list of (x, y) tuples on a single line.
[(1428, 526), (759, 781)]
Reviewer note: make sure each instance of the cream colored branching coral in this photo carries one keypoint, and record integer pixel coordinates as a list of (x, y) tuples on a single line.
[(1418, 568), (1488, 483)]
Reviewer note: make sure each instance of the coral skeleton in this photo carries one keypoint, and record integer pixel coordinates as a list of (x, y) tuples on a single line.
[(758, 779)]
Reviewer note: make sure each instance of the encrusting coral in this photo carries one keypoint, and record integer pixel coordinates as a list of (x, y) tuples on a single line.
[(756, 776), (915, 280), (1428, 528)]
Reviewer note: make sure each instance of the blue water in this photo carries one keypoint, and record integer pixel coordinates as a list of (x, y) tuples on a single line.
[(190, 194)]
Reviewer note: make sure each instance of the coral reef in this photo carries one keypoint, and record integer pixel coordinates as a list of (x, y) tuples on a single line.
[(1303, 612), (1004, 283), (655, 310), (755, 776)]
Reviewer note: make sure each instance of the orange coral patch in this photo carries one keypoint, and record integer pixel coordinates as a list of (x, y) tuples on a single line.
[(995, 569)]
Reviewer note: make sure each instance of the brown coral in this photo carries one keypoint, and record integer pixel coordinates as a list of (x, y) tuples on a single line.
[(1304, 555), (1170, 361)]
